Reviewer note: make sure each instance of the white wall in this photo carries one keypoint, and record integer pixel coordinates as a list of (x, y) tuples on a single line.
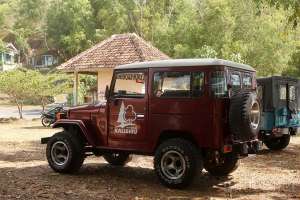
[(9, 67), (104, 78)]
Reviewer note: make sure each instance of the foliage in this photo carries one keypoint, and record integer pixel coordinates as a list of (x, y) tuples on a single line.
[(31, 14), (70, 26), (45, 87), (290, 5), (86, 83), (255, 32), (2, 46), (15, 84), (23, 85), (294, 69)]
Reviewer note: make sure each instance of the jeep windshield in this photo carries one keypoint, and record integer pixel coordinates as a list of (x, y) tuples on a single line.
[(218, 84)]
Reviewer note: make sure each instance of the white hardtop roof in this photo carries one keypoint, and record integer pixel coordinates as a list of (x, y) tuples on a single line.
[(185, 63)]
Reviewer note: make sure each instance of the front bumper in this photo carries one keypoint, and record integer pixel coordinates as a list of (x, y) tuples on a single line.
[(245, 148)]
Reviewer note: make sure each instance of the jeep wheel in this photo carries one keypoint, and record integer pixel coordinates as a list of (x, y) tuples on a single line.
[(244, 116), (228, 164), (278, 143), (117, 159), (177, 162), (65, 153)]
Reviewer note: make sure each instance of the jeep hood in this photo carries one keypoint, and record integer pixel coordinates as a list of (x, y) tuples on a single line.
[(84, 112)]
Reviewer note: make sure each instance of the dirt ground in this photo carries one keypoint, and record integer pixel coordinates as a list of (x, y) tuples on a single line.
[(24, 174)]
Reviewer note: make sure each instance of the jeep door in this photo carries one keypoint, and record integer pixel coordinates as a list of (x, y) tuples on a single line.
[(286, 104), (128, 110), (179, 104)]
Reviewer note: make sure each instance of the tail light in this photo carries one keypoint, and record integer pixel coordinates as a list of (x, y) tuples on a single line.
[(227, 148)]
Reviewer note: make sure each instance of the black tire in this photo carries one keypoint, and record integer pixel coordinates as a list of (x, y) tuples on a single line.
[(187, 154), (46, 122), (242, 107), (278, 143), (75, 155), (117, 159), (228, 164)]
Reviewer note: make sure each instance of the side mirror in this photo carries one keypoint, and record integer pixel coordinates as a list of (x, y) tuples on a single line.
[(106, 92)]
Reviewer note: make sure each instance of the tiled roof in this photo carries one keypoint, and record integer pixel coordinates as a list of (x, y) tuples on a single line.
[(117, 50)]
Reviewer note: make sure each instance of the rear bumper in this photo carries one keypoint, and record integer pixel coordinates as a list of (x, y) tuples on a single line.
[(245, 148), (45, 140)]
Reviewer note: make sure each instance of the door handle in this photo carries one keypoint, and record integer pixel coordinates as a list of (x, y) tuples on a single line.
[(140, 116)]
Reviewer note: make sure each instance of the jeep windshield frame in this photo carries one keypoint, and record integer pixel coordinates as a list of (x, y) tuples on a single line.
[(123, 93)]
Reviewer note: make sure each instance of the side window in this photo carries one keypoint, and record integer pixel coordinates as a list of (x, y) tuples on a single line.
[(292, 93), (198, 83), (282, 92), (235, 81), (247, 81), (218, 83), (129, 84), (172, 84)]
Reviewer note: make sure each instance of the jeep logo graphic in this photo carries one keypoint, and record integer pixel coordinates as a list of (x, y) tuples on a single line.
[(126, 119)]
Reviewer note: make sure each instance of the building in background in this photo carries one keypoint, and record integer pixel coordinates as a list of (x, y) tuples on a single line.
[(101, 59), (9, 58), (40, 56)]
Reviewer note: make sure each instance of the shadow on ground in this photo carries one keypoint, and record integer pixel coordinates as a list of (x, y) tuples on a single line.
[(23, 152), (285, 159), (35, 180)]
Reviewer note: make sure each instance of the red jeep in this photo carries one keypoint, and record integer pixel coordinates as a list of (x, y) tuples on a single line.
[(189, 114)]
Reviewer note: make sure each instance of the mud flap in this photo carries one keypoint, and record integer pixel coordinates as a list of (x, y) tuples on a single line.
[(45, 140), (245, 148)]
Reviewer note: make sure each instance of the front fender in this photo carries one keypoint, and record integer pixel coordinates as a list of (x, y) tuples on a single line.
[(64, 123)]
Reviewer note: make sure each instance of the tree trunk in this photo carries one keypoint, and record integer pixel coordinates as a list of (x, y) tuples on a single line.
[(43, 105), (20, 108)]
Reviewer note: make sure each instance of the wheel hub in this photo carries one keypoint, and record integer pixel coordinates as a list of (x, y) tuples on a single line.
[(60, 153), (173, 165)]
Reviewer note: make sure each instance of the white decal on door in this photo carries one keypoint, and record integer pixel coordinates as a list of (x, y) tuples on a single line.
[(126, 120)]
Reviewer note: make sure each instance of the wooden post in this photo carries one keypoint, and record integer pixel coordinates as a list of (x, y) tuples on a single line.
[(98, 87), (75, 89)]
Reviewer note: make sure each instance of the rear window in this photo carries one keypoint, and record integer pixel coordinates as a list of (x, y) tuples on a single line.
[(247, 81), (292, 93), (282, 92), (235, 81), (218, 83)]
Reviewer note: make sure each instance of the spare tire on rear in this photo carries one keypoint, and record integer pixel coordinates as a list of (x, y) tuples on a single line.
[(244, 116)]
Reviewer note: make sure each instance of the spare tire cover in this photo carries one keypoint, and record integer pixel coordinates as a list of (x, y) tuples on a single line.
[(244, 116)]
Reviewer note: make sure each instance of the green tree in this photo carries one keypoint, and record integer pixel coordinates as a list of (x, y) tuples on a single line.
[(70, 26), (290, 5), (45, 87), (31, 15), (16, 85), (29, 85), (294, 69)]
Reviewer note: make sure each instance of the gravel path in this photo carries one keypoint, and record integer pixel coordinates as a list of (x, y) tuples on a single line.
[(24, 174)]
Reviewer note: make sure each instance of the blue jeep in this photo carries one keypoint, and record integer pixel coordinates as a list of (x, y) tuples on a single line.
[(280, 114)]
